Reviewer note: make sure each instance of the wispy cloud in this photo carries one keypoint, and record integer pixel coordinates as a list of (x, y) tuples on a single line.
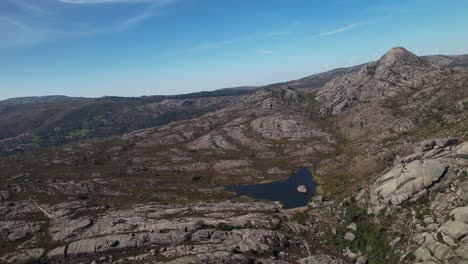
[(338, 30), (264, 51), (115, 1), (33, 22), (220, 43), (387, 9), (212, 45), (278, 33)]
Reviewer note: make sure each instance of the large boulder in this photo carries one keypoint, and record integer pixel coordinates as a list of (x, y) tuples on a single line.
[(405, 181), (302, 189), (460, 214), (454, 229)]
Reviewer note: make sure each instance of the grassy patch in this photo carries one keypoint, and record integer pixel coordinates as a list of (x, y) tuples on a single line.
[(334, 187), (421, 207), (79, 133), (146, 107), (465, 106), (320, 184), (371, 237), (18, 177)]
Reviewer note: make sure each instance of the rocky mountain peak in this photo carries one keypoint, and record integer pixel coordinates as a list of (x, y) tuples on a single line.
[(399, 55), (398, 72)]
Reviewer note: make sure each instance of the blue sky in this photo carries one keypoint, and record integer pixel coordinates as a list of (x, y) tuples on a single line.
[(145, 47)]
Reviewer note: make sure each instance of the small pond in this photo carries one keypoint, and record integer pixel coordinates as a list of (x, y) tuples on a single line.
[(283, 191)]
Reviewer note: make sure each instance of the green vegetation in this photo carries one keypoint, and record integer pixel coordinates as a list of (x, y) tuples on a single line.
[(301, 217), (465, 106), (199, 178), (371, 237), (80, 133), (389, 158), (146, 107), (334, 187), (320, 184), (421, 207), (57, 123), (18, 177)]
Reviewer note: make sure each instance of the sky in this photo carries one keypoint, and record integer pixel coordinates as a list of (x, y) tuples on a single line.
[(96, 48)]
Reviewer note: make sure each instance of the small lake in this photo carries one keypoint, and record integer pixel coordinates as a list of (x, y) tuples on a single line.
[(283, 191)]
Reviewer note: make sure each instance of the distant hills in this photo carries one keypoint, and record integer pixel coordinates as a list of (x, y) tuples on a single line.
[(29, 123)]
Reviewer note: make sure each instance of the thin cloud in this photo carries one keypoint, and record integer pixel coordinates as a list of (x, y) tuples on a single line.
[(278, 33), (115, 1), (387, 9), (32, 23), (212, 45), (339, 30), (263, 51), (220, 43), (30, 8)]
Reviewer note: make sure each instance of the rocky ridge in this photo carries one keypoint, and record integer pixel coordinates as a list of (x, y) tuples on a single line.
[(398, 72)]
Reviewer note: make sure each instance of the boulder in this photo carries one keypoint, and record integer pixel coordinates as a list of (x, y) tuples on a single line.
[(460, 214), (454, 229), (350, 237), (462, 150), (405, 181), (302, 189), (462, 251), (361, 260), (423, 254), (462, 191), (440, 251), (353, 226)]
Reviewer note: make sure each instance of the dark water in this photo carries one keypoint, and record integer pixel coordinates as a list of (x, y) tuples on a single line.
[(283, 191)]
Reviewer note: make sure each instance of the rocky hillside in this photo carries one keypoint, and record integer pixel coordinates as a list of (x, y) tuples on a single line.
[(387, 142), (32, 123), (398, 72)]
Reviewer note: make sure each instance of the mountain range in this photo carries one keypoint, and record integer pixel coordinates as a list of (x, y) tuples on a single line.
[(141, 180)]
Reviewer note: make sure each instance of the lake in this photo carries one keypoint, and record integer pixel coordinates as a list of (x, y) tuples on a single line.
[(283, 191)]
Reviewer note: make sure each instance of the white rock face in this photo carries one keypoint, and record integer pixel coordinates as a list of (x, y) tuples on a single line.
[(404, 181)]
